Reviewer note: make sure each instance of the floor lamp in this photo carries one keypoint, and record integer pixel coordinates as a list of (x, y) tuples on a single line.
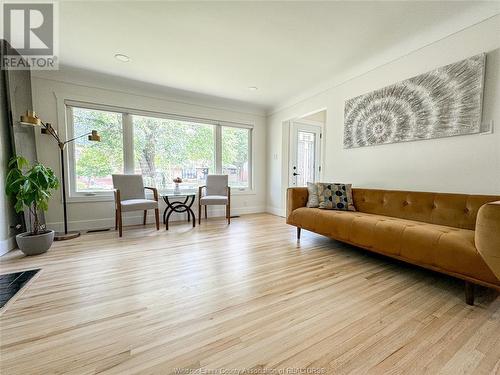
[(30, 118)]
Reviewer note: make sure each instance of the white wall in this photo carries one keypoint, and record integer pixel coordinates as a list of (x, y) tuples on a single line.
[(50, 89), (316, 117), (464, 164)]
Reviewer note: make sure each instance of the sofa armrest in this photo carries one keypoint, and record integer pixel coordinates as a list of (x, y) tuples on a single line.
[(296, 198), (487, 236)]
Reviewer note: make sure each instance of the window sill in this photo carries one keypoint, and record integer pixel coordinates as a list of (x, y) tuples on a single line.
[(90, 198), (110, 198), (242, 192)]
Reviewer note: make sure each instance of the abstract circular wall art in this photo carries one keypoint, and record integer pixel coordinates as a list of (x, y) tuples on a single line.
[(441, 103)]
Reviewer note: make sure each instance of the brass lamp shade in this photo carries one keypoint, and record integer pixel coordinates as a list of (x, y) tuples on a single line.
[(94, 136), (31, 118)]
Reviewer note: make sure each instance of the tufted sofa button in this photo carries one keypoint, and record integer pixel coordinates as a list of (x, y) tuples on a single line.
[(405, 203), (466, 210), (433, 206)]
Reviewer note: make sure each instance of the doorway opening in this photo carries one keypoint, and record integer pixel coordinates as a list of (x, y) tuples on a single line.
[(305, 143)]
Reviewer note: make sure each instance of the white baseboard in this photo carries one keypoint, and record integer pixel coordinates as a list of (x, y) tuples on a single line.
[(134, 219), (276, 211), (7, 245)]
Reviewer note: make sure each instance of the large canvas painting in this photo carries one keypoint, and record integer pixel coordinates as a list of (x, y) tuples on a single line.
[(441, 103)]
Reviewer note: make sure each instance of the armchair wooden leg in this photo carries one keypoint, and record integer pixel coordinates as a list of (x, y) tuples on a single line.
[(228, 214), (116, 219), (206, 216), (199, 213), (469, 293), (157, 217), (298, 233), (120, 222), (145, 216)]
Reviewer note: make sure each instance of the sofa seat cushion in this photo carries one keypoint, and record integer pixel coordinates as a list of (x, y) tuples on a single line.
[(447, 248)]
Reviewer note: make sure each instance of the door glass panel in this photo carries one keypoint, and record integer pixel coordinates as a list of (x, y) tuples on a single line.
[(305, 157)]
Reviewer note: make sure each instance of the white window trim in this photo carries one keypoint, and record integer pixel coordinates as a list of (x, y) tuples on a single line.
[(128, 146)]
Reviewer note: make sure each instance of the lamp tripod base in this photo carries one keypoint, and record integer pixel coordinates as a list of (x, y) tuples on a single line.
[(61, 236)]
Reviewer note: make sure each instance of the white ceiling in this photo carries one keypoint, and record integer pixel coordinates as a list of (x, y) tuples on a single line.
[(222, 48)]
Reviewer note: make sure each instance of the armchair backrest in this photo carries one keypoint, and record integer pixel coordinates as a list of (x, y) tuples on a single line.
[(217, 184), (131, 186)]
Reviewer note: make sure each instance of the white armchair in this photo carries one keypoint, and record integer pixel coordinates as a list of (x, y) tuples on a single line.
[(130, 195), (215, 192)]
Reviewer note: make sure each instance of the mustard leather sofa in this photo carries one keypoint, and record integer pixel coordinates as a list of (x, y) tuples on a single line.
[(456, 234)]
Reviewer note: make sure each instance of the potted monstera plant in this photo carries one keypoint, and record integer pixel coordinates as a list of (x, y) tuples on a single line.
[(31, 186)]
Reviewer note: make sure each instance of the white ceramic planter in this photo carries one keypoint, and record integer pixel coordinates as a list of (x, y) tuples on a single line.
[(37, 244)]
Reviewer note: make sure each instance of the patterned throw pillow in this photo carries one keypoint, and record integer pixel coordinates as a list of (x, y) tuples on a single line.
[(335, 196), (313, 199)]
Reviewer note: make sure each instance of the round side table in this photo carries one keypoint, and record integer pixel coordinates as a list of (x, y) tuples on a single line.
[(179, 206)]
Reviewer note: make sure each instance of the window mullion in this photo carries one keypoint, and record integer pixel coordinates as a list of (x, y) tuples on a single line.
[(128, 143), (218, 149)]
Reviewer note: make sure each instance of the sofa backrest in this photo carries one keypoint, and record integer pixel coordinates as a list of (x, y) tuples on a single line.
[(454, 210)]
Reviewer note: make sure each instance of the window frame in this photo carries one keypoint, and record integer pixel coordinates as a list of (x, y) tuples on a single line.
[(128, 145)]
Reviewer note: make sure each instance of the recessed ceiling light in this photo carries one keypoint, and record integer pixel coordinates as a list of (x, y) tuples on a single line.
[(121, 57), (253, 88)]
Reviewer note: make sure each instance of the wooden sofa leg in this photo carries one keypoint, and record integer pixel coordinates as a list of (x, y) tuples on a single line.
[(469, 293), (298, 233)]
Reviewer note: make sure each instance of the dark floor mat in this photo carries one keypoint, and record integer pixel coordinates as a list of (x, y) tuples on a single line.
[(12, 283)]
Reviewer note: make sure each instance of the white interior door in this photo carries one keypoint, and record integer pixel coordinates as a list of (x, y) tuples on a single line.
[(304, 161)]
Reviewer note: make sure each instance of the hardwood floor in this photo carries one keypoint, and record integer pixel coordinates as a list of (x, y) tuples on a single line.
[(244, 296)]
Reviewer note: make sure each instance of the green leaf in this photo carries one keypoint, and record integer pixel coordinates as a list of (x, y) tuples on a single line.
[(31, 186)]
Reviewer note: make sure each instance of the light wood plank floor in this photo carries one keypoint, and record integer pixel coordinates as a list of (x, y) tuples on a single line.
[(247, 296)]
